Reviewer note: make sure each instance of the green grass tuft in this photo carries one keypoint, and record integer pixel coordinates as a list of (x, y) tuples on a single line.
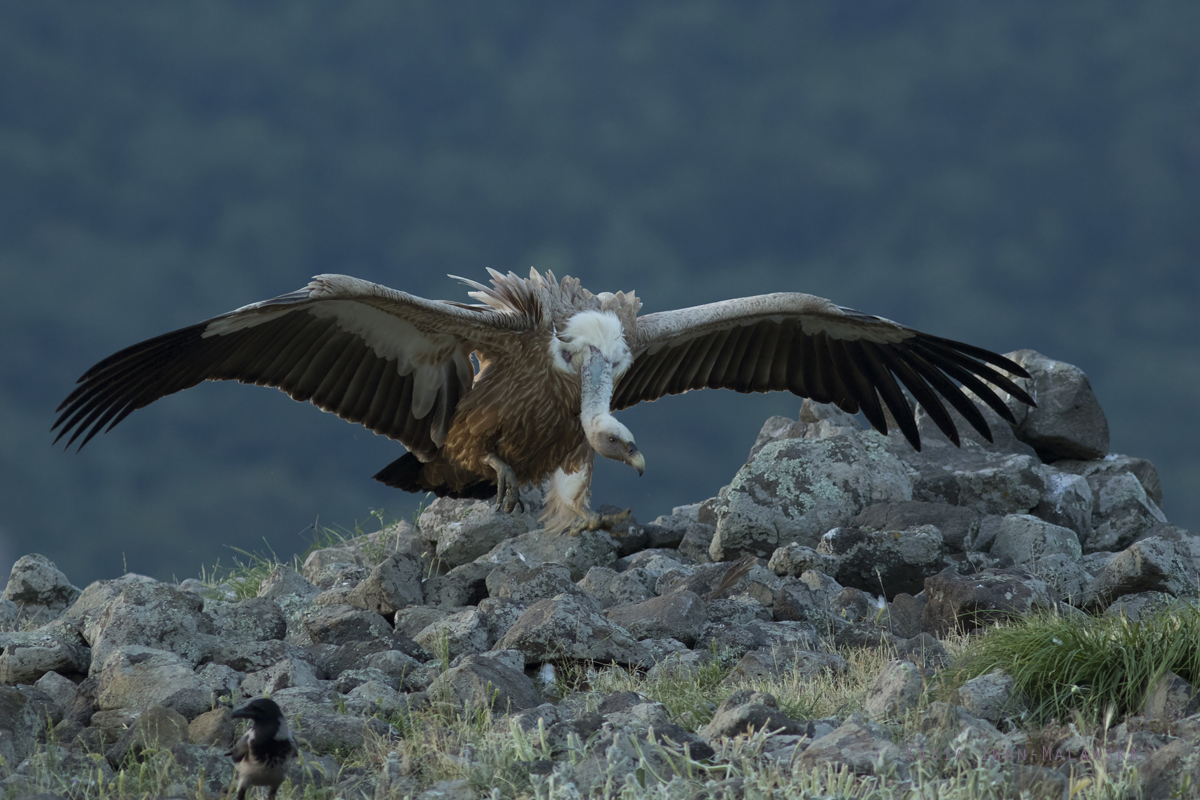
[(1068, 666)]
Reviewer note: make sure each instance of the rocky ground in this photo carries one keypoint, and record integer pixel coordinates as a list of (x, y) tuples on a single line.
[(786, 635)]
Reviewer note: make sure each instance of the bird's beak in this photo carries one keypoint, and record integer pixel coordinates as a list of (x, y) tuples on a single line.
[(241, 713), (637, 461)]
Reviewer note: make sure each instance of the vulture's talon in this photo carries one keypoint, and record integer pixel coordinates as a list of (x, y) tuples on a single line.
[(508, 490)]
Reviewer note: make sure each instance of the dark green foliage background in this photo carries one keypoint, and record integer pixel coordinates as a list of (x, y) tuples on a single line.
[(1014, 175)]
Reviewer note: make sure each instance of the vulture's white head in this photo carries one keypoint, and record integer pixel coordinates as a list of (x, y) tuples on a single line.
[(611, 439)]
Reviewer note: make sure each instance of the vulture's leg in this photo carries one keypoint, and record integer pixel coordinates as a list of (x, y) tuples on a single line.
[(508, 490), (593, 521)]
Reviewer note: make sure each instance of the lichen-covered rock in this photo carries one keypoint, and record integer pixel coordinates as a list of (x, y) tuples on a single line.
[(884, 561), (528, 584), (991, 697), (462, 633), (1069, 582), (465, 585), (135, 678), (1024, 539), (253, 619), (1123, 512), (973, 476), (679, 615), (339, 624), (577, 553), (856, 745), (394, 583), (1067, 501), (956, 524), (797, 489), (479, 681), (747, 710), (896, 690), (971, 601), (792, 560), (467, 529), (565, 627), (1152, 565), (22, 724), (28, 655), (39, 589), (153, 615), (611, 588)]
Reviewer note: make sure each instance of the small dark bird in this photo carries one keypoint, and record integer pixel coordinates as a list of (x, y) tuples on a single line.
[(263, 753)]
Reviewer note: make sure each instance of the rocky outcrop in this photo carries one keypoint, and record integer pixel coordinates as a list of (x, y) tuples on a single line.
[(830, 537)]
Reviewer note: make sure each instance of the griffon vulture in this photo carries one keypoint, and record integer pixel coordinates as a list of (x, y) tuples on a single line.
[(520, 388)]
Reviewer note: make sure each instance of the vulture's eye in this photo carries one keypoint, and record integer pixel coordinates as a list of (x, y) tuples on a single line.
[(612, 439)]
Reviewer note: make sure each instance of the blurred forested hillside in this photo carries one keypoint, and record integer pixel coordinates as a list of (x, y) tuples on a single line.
[(1016, 174)]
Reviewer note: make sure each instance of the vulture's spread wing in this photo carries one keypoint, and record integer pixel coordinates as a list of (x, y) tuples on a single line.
[(813, 348), (395, 363)]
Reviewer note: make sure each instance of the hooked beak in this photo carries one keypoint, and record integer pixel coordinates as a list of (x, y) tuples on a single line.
[(637, 461)]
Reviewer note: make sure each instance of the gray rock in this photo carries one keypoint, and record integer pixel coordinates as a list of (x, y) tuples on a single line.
[(393, 584), (1151, 565), (1171, 771), (286, 582), (971, 601), (973, 476), (254, 619), (482, 682), (339, 624), (1069, 582), (903, 617), (735, 639), (467, 529), (254, 656), (564, 627), (60, 690), (375, 698), (1024, 539), (284, 674), (611, 588), (954, 719), (153, 615), (747, 710), (461, 633), (577, 553), (793, 560), (213, 728), (795, 490), (1140, 605), (992, 697), (202, 767), (22, 724), (465, 585), (679, 615), (136, 678), (39, 589), (528, 584), (158, 727), (1123, 512), (884, 562), (1068, 421), (855, 746), (27, 656), (808, 599), (1114, 464), (772, 662), (957, 525), (1067, 501), (1171, 698), (896, 691), (90, 775)]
